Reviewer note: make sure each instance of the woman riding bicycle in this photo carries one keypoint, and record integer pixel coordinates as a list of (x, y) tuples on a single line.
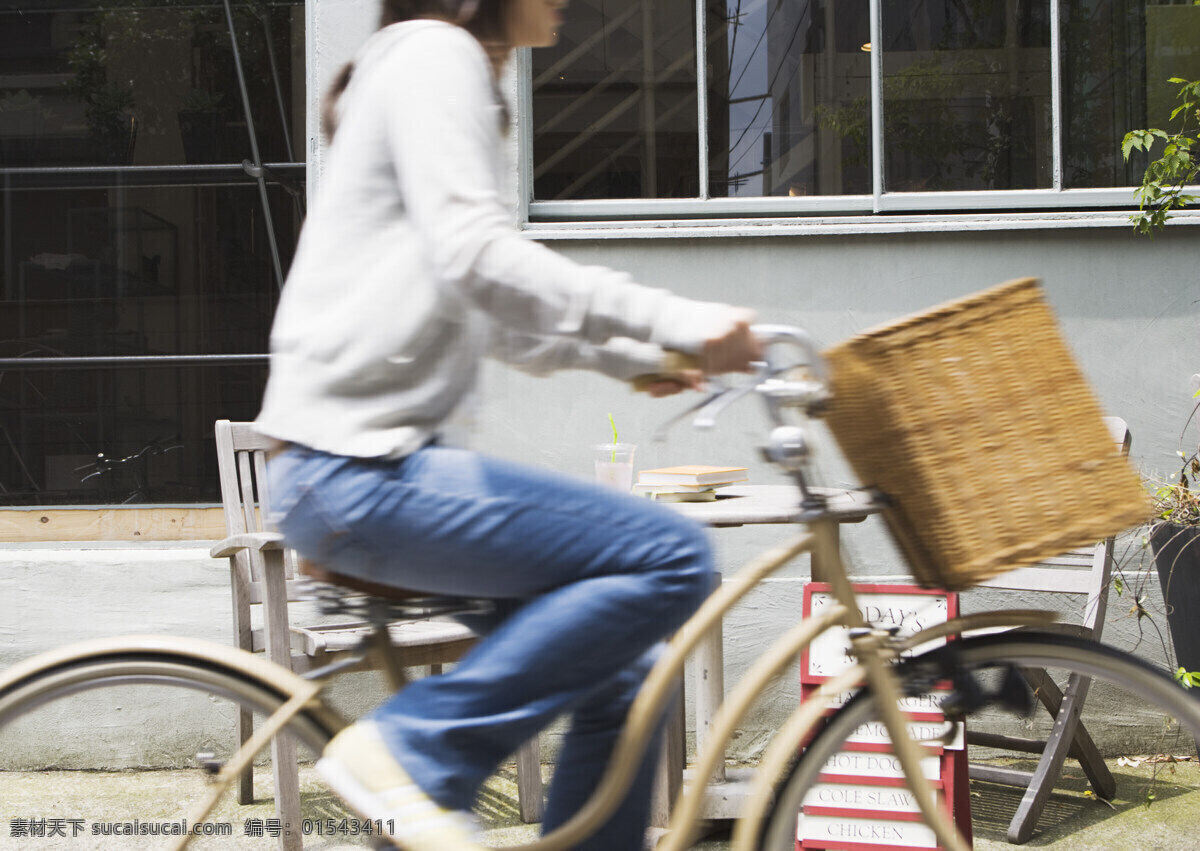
[(409, 271)]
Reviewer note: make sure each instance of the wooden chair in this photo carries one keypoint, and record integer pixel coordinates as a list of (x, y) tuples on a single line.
[(264, 572), (1084, 573)]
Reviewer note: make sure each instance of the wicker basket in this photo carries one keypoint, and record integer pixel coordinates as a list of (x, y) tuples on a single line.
[(975, 421)]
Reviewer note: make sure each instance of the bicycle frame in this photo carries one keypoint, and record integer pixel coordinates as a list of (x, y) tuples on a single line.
[(874, 651)]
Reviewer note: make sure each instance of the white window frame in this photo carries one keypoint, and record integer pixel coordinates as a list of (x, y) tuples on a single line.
[(877, 212)]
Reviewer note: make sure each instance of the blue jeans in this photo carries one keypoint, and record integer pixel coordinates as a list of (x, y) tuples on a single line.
[(587, 584)]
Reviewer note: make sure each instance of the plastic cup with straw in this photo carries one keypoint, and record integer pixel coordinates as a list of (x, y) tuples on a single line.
[(614, 461)]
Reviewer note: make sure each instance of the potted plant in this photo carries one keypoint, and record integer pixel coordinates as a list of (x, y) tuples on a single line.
[(1174, 537), (1170, 541), (111, 123), (1175, 542), (202, 127), (108, 105)]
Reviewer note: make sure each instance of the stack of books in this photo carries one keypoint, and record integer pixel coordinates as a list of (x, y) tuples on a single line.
[(688, 483)]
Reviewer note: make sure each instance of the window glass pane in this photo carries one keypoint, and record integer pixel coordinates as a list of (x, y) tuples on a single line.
[(1104, 90), (966, 95), (166, 250), (130, 271), (141, 271), (56, 421), (614, 103), (789, 98), (1118, 56), (147, 82)]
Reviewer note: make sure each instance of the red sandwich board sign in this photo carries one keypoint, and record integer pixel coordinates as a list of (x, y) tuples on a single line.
[(861, 802)]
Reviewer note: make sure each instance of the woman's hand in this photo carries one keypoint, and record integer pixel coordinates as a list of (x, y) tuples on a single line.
[(734, 349), (678, 372), (669, 384)]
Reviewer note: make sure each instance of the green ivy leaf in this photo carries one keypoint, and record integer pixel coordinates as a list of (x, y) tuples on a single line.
[(1187, 679), (1127, 146), (1161, 189)]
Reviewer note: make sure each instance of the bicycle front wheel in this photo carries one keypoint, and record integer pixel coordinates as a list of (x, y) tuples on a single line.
[(1131, 710), (137, 728)]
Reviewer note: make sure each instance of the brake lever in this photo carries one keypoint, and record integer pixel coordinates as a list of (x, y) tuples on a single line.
[(705, 411), (660, 434), (706, 415)]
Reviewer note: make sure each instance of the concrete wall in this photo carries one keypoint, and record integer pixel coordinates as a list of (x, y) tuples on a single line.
[(1128, 307), (55, 595)]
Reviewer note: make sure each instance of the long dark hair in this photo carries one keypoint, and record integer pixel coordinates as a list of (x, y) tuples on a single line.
[(487, 20)]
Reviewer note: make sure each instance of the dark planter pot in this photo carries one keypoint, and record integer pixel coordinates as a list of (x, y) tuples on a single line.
[(113, 139), (1177, 560), (203, 135)]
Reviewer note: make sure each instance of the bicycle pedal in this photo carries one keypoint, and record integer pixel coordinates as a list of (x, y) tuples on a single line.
[(1014, 693), (970, 695), (209, 762), (886, 633)]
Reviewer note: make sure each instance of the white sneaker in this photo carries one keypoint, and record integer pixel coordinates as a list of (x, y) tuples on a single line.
[(359, 767)]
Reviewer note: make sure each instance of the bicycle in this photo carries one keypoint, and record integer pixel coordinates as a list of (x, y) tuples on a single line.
[(109, 469), (968, 672)]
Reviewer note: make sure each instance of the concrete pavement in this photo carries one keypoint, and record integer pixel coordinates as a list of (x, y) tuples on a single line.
[(85, 803)]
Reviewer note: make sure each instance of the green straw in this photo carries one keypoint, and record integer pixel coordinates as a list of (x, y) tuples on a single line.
[(613, 423)]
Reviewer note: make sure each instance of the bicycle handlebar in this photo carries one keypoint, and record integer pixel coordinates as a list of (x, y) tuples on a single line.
[(104, 464), (768, 381), (773, 334)]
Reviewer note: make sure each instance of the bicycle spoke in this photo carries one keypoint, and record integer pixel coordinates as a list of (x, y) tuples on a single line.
[(147, 771), (1131, 711)]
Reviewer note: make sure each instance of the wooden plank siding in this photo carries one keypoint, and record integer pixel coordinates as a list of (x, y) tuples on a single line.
[(107, 523)]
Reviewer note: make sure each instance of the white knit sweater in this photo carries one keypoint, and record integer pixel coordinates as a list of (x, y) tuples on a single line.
[(410, 267)]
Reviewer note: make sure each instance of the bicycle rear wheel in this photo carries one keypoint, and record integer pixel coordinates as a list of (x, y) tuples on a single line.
[(142, 730), (1132, 710)]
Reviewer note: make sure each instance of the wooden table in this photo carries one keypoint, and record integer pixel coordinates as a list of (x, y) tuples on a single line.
[(743, 505), (734, 506)]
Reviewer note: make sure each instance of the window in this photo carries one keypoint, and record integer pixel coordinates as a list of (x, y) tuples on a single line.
[(152, 192), (849, 105)]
